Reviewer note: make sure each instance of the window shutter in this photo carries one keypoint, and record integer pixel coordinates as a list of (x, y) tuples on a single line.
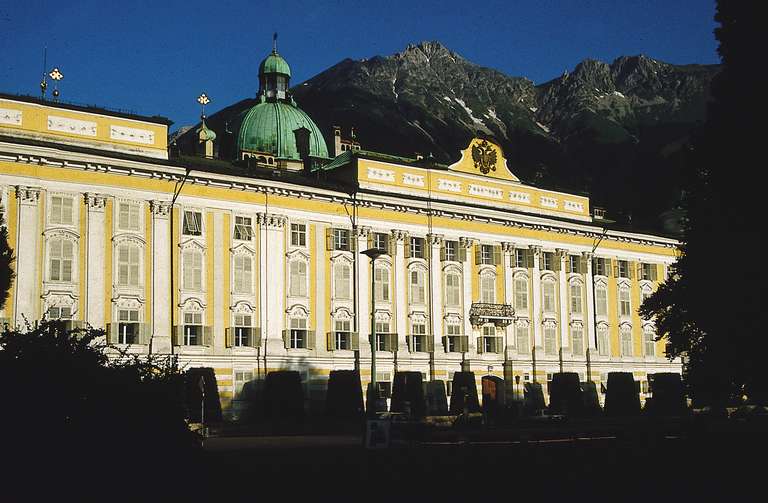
[(639, 269), (207, 336), (329, 238), (392, 244), (480, 344), (229, 337), (442, 253), (370, 240), (497, 260), (429, 343), (255, 339), (582, 265), (568, 264), (352, 242), (555, 262), (427, 249), (112, 333), (655, 272), (407, 247), (461, 253), (530, 258), (630, 270), (464, 343), (445, 343), (143, 334), (56, 210), (178, 335), (478, 254), (615, 269), (607, 263), (330, 341), (310, 339), (354, 341), (123, 217)]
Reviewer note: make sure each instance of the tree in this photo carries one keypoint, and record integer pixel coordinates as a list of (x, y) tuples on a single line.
[(80, 417), (710, 309), (6, 263)]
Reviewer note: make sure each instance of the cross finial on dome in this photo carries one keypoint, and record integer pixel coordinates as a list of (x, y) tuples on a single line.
[(274, 43)]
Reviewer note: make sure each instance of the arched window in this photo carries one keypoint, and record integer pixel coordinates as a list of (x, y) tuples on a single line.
[(452, 289), (128, 263), (645, 293), (649, 339), (381, 284), (625, 333), (575, 298), (61, 258), (522, 336), (603, 342), (601, 300), (625, 308), (521, 293), (488, 288), (417, 282), (243, 265), (342, 278), (548, 296), (192, 265), (298, 278)]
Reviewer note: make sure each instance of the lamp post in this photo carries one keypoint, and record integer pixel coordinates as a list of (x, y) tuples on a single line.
[(372, 395)]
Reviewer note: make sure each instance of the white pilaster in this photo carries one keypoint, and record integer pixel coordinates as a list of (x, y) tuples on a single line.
[(272, 260), (320, 307), (27, 257), (509, 294), (536, 303), (590, 325), (217, 248), (96, 247), (400, 285), (161, 277), (466, 274), (363, 287), (435, 241), (562, 256)]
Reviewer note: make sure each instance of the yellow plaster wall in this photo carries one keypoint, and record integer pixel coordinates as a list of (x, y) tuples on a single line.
[(108, 213), (314, 305), (210, 241), (176, 215), (148, 264), (12, 223), (613, 313), (226, 267), (82, 262), (42, 213)]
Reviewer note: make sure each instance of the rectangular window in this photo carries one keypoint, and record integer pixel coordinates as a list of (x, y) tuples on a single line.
[(522, 335), (452, 289), (243, 228), (298, 278), (417, 247), (486, 254), (128, 217), (59, 313), (650, 343), (381, 284), (61, 260), (417, 287), (648, 272), (453, 335), (490, 342), (550, 340), (193, 329), (626, 341), (193, 223), (62, 210), (243, 272), (601, 300), (450, 250), (242, 330), (418, 337), (577, 340), (298, 334), (193, 270), (241, 381), (342, 279), (623, 269), (298, 235), (381, 241), (576, 299), (342, 334), (128, 326), (382, 335), (548, 296), (574, 263), (519, 258), (488, 289), (128, 257), (625, 308), (521, 293), (341, 239), (547, 261)]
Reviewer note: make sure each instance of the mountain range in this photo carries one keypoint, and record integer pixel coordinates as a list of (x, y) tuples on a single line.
[(616, 131)]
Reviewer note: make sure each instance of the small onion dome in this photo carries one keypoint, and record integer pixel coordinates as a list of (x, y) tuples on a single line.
[(205, 134), (274, 63), (269, 127)]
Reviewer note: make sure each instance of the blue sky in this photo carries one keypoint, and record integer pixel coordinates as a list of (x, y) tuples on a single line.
[(155, 57)]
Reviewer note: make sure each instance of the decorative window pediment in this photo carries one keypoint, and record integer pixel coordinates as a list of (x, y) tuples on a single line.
[(242, 307), (127, 301), (452, 318), (298, 311), (192, 304), (382, 316), (243, 249), (192, 244), (124, 237), (418, 317), (61, 233), (342, 314), (522, 322), (297, 254)]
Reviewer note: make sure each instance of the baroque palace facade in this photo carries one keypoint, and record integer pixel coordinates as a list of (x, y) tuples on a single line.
[(256, 264)]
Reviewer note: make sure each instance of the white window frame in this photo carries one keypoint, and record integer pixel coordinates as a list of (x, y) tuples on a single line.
[(193, 319), (521, 294), (625, 304), (576, 303), (242, 325), (298, 336), (132, 269), (523, 338), (577, 329), (242, 277), (298, 282), (195, 227), (649, 342), (133, 317), (62, 201), (417, 291), (132, 222), (625, 341), (342, 287), (453, 293), (61, 258), (196, 281), (487, 278), (298, 234), (243, 228), (381, 288), (548, 295)]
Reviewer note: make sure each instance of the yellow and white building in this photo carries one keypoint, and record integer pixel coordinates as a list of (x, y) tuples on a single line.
[(256, 265)]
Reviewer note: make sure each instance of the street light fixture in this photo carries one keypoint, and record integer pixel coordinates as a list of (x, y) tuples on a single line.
[(372, 394)]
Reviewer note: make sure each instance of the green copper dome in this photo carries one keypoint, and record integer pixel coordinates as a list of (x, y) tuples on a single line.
[(274, 63), (269, 127)]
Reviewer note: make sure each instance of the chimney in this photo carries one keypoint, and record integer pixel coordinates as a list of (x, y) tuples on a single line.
[(336, 140), (302, 135)]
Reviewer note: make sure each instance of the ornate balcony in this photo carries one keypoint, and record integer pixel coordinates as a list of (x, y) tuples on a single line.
[(500, 315)]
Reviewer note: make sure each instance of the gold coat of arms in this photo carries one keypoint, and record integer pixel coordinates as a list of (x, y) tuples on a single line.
[(484, 156)]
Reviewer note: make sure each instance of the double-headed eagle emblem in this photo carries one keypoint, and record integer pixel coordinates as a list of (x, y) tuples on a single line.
[(484, 156)]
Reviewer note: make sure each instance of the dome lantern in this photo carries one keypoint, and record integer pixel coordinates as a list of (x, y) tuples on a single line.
[(274, 75)]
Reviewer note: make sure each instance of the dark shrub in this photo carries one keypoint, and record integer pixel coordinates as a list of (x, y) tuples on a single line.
[(344, 400), (591, 401), (407, 387), (622, 397), (464, 393), (534, 398), (565, 395), (193, 395), (284, 397), (668, 398), (437, 400)]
